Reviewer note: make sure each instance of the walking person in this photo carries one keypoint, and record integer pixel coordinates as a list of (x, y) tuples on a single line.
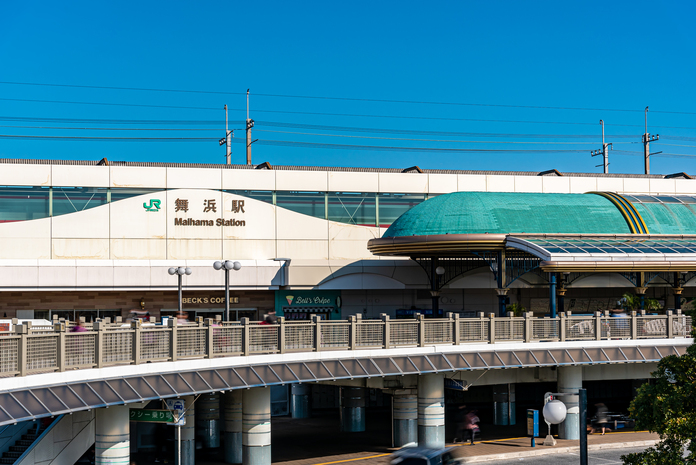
[(470, 426), (459, 419), (602, 417)]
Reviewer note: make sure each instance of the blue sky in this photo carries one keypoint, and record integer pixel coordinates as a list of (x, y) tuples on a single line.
[(505, 57)]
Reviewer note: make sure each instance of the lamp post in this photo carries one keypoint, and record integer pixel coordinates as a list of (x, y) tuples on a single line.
[(180, 271), (436, 275), (227, 265)]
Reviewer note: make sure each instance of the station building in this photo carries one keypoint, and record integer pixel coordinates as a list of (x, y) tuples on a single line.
[(96, 238)]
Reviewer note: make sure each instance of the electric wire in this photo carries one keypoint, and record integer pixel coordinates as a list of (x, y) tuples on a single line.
[(350, 99)]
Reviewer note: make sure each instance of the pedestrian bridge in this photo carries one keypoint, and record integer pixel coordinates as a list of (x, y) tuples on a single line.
[(52, 370)]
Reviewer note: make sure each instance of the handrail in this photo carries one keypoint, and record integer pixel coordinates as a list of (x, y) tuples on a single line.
[(108, 344), (38, 439)]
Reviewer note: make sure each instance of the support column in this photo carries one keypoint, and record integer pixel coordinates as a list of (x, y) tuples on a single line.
[(570, 380), (502, 301), (431, 411), (256, 426), (405, 418), (552, 294), (504, 404), (112, 438), (208, 420), (188, 434), (352, 409), (232, 426), (299, 402), (640, 291)]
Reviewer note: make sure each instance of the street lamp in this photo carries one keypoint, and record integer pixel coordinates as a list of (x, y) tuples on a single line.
[(180, 271), (227, 265)]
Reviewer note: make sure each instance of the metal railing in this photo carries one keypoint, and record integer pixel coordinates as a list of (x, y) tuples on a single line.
[(29, 350)]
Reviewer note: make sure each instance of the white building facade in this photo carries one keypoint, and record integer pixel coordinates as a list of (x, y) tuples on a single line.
[(96, 239)]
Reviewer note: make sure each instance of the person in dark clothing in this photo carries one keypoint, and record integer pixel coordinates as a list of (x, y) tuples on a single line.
[(459, 419), (470, 426)]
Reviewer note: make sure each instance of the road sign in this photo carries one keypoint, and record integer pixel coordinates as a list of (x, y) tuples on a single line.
[(151, 416), (177, 408)]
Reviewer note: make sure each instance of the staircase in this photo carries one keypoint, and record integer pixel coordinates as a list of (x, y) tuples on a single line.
[(21, 445)]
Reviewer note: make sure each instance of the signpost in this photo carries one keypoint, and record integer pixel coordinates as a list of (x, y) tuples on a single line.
[(179, 419), (533, 424)]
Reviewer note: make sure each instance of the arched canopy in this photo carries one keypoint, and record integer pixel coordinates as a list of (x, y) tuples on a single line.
[(597, 231)]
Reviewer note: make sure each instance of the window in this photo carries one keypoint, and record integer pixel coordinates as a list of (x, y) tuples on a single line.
[(120, 193), (263, 196), (76, 199), (392, 206), (307, 203), (24, 203), (352, 208)]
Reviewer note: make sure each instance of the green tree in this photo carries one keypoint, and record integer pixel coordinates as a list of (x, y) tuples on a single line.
[(667, 406)]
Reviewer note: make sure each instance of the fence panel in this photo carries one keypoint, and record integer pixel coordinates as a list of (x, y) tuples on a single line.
[(616, 327), (473, 330), (438, 332), (299, 336), (263, 338), (227, 340), (403, 333), (370, 334), (190, 342), (117, 347), (9, 348), (652, 327), (681, 326), (545, 329), (42, 353), (335, 335), (80, 350), (154, 344), (580, 329), (509, 329)]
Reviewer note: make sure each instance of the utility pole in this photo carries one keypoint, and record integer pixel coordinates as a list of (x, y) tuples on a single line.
[(227, 140), (647, 138), (604, 152), (249, 125)]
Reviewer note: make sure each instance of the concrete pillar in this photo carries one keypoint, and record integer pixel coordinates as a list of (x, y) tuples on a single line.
[(504, 404), (352, 409), (405, 417), (232, 426), (188, 434), (299, 403), (570, 380), (431, 411), (256, 426), (112, 435), (208, 420)]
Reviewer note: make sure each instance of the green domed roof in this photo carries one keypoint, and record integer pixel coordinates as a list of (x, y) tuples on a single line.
[(508, 212)]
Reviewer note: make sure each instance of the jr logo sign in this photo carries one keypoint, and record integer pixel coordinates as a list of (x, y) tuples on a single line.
[(154, 205)]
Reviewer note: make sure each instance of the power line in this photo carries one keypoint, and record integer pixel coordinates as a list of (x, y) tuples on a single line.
[(348, 129), (281, 143), (424, 118), (350, 99), (108, 104), (421, 140)]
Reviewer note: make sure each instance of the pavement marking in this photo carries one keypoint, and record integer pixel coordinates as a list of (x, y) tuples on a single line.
[(353, 460)]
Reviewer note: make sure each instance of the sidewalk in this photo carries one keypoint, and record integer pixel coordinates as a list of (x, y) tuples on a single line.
[(504, 449), (500, 449)]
